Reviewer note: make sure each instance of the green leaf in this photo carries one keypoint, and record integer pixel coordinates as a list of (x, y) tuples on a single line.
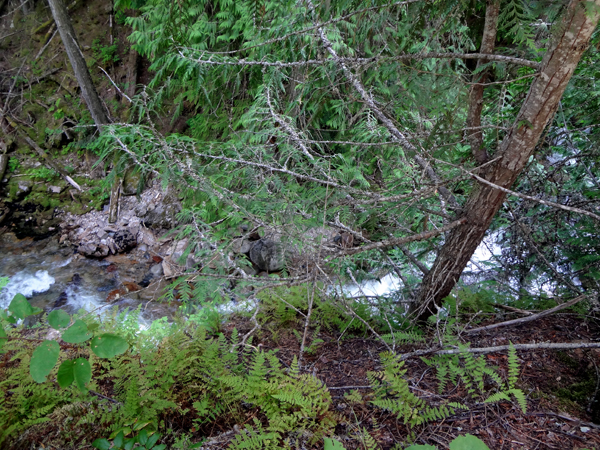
[(468, 442), (143, 437), (43, 360), (59, 319), (3, 337), (65, 374), (21, 308), (119, 438), (109, 345), (159, 447), (332, 444), (152, 440), (101, 444), (82, 372), (129, 443), (421, 447), (77, 333)]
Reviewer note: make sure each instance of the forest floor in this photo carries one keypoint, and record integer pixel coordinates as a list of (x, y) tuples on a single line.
[(558, 385)]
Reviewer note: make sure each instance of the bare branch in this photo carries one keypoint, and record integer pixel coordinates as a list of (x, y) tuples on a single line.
[(528, 318), (395, 242), (502, 348)]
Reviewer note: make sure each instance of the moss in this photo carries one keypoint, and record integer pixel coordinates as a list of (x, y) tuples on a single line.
[(578, 392), (568, 361)]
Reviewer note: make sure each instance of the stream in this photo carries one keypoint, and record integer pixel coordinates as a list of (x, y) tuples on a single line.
[(51, 276)]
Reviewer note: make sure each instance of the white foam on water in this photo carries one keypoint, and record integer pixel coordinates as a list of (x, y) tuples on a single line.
[(387, 285), (78, 298), (27, 284)]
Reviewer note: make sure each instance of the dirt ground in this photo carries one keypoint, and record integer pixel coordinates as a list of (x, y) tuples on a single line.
[(563, 411)]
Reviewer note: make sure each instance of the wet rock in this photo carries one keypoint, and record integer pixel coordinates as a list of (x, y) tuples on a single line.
[(241, 245), (109, 286), (55, 189), (124, 240), (153, 291), (167, 268), (23, 188), (178, 250), (157, 270), (116, 294)]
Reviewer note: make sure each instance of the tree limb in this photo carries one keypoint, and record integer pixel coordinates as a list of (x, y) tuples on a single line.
[(528, 318), (501, 348)]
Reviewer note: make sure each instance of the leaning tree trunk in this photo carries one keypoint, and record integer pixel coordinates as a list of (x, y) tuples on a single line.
[(519, 144), (69, 39), (475, 134)]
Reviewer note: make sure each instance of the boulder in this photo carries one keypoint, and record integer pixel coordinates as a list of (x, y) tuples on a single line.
[(268, 255), (124, 240)]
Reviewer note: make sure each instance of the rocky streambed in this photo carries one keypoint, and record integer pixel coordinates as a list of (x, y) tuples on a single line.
[(91, 263)]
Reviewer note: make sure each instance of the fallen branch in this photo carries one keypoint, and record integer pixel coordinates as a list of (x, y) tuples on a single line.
[(501, 348), (529, 318), (49, 162), (513, 309)]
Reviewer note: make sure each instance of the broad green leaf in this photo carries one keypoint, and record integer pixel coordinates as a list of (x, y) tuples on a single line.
[(109, 345), (65, 374), (421, 447), (332, 444), (468, 442), (4, 315), (82, 372), (129, 443), (159, 447), (123, 431), (43, 360), (143, 437), (3, 336), (118, 440), (58, 319), (152, 440), (77, 333), (21, 308), (101, 444)]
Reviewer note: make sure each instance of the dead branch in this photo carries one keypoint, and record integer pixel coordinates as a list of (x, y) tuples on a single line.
[(395, 242), (502, 348), (529, 318)]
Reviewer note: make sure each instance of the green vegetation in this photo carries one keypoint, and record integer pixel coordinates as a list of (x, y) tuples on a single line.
[(370, 137), (203, 378)]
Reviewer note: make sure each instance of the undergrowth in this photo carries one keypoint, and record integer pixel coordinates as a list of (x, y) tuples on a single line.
[(184, 381)]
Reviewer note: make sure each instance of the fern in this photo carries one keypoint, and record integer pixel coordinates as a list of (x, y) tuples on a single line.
[(392, 393)]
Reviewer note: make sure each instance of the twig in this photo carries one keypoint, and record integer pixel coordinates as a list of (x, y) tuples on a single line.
[(116, 87), (349, 272), (45, 46), (249, 333), (529, 318), (105, 397), (537, 200), (513, 309), (395, 242), (49, 162), (350, 387)]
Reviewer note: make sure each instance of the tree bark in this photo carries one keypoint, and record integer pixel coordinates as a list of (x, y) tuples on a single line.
[(68, 36), (558, 65), (476, 95)]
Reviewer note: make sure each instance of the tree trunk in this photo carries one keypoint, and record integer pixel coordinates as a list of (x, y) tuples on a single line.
[(68, 36), (475, 136), (559, 63)]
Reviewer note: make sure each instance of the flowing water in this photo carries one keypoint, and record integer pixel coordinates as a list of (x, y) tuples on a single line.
[(51, 276)]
